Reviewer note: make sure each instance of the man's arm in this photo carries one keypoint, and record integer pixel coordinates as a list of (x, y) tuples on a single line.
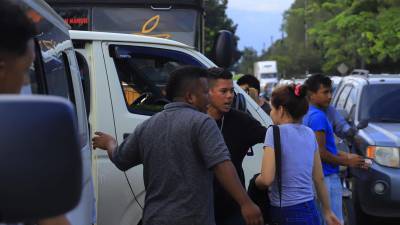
[(342, 158), (254, 130), (124, 156), (339, 124), (215, 154), (226, 174)]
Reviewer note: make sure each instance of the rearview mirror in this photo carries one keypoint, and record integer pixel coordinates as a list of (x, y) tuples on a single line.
[(40, 161), (362, 124), (223, 49)]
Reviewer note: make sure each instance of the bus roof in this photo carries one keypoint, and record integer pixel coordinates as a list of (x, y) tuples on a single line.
[(155, 3)]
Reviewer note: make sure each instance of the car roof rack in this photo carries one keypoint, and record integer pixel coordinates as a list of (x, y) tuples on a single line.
[(360, 72)]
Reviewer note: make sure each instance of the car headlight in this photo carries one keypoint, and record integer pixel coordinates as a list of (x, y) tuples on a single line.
[(385, 156)]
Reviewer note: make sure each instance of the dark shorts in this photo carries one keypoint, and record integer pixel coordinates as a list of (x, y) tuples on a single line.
[(301, 214)]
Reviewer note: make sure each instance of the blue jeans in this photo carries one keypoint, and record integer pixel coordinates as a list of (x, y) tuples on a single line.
[(301, 214), (334, 187)]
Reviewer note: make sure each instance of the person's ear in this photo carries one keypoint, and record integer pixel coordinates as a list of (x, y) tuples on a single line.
[(190, 98), (281, 111)]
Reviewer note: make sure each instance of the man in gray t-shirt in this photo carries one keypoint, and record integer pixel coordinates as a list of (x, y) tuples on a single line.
[(180, 149)]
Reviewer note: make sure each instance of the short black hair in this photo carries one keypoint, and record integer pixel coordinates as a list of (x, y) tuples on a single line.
[(250, 80), (215, 73), (182, 79), (16, 28), (314, 82)]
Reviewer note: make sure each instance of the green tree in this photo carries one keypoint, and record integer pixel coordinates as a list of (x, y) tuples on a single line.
[(249, 56), (362, 34)]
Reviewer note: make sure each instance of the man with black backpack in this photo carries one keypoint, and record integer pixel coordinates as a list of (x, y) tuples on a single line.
[(240, 132)]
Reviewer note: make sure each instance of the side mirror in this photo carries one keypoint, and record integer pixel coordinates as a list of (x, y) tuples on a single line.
[(223, 49), (40, 160), (344, 113), (362, 124)]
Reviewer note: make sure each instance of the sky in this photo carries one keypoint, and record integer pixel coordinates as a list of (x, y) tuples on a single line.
[(258, 21)]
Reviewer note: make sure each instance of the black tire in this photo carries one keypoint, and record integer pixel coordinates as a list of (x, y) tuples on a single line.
[(361, 217), (349, 214)]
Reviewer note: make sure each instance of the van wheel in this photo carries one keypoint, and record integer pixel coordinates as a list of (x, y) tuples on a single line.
[(349, 214)]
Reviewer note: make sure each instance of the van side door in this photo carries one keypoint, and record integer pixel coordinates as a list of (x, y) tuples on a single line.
[(137, 76)]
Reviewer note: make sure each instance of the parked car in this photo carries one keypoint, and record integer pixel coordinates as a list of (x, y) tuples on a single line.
[(335, 82), (55, 72), (125, 77), (371, 102)]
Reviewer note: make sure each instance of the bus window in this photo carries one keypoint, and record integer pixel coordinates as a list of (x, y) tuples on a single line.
[(179, 25)]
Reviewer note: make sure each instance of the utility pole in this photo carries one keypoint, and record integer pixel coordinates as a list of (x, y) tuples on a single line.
[(305, 23), (305, 32), (272, 40)]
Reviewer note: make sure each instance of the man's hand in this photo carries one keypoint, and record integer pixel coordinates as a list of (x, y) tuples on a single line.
[(252, 214), (253, 94), (354, 160), (331, 219), (104, 141)]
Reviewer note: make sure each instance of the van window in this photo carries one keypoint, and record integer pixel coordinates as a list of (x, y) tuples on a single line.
[(351, 101), (33, 80), (85, 78), (343, 97), (143, 74), (58, 77)]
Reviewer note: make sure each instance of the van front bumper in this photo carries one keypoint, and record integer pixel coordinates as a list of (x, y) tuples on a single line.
[(378, 190)]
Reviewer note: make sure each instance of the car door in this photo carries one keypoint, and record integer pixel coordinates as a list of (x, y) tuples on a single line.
[(137, 76), (54, 72)]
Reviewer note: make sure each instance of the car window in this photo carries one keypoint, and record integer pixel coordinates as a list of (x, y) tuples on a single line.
[(85, 79), (58, 76), (343, 97), (33, 79), (143, 73), (380, 103), (351, 102)]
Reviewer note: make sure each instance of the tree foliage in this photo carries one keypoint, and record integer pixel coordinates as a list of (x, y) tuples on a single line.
[(323, 34)]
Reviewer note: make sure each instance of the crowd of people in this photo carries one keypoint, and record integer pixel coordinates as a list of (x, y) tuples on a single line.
[(193, 150)]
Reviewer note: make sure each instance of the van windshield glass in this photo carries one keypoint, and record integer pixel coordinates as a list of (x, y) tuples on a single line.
[(268, 75), (380, 103), (179, 25)]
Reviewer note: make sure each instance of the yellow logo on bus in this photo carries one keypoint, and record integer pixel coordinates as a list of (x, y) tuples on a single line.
[(150, 25)]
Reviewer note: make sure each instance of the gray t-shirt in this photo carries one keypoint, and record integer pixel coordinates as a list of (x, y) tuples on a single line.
[(178, 148), (298, 146)]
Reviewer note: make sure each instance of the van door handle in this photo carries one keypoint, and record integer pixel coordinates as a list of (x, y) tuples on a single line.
[(125, 135)]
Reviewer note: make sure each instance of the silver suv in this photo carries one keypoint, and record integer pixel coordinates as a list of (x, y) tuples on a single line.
[(372, 103)]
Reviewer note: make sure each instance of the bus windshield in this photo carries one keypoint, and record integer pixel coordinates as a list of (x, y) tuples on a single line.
[(179, 25), (268, 75)]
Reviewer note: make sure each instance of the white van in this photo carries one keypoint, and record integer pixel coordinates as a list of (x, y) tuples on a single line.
[(124, 77), (55, 72)]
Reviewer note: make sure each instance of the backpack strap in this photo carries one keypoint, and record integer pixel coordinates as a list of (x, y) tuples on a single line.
[(278, 160)]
